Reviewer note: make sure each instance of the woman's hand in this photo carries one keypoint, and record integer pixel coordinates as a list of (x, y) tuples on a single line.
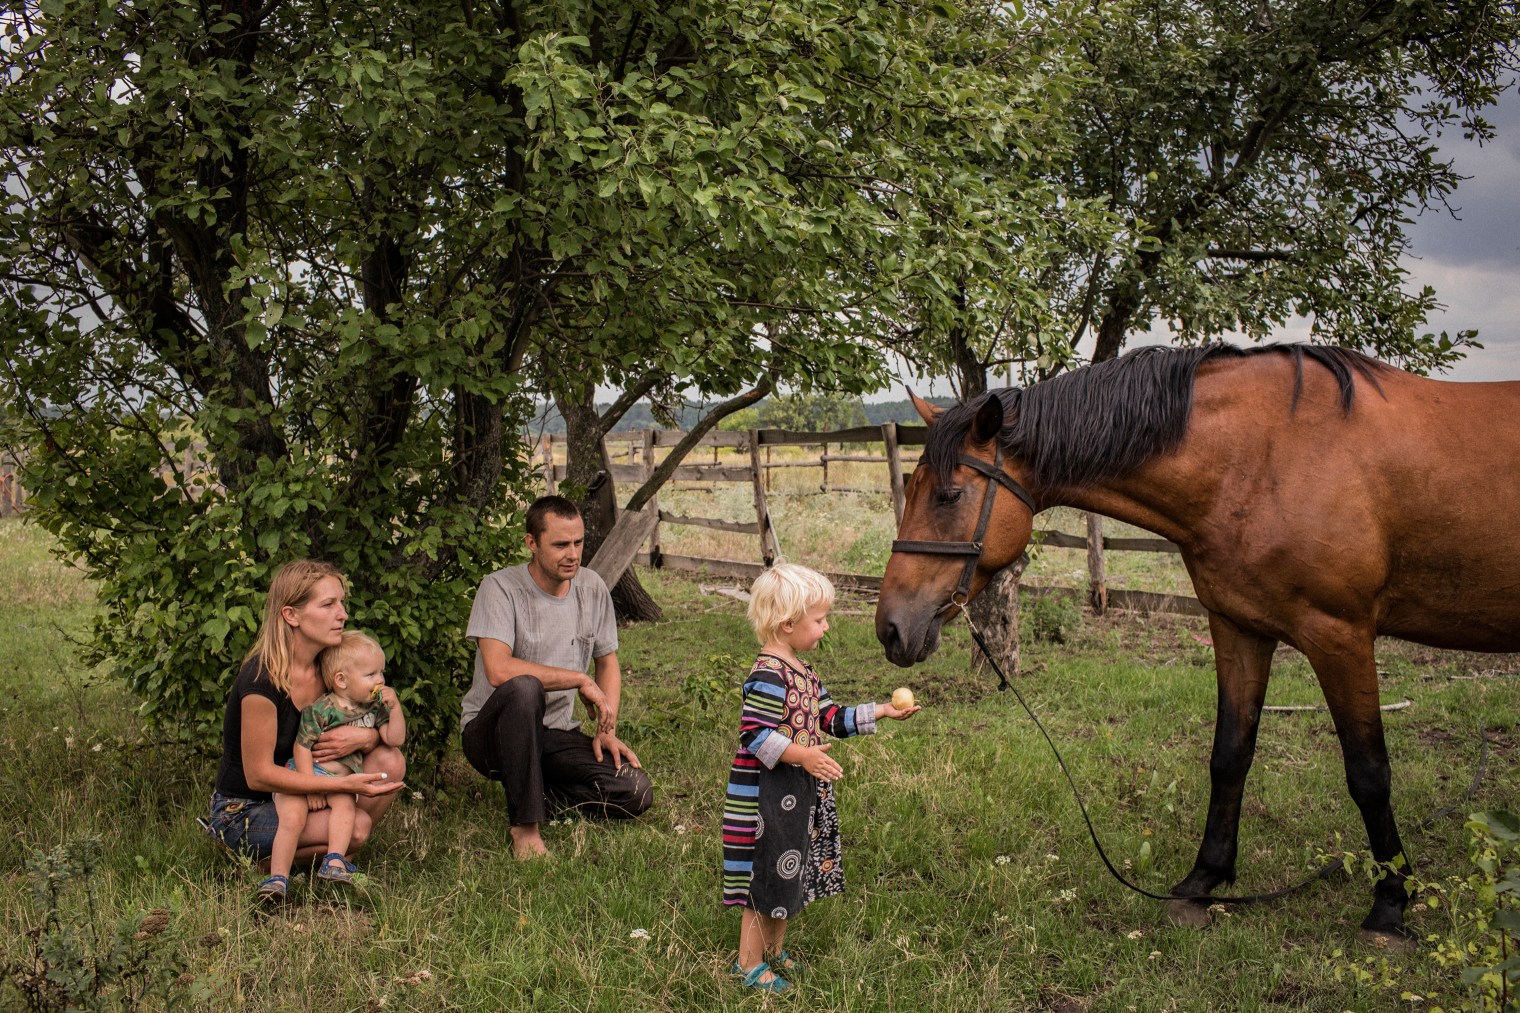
[(315, 802), (817, 761), (889, 710), (371, 785)]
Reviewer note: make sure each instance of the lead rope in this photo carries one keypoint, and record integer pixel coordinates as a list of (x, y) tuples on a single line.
[(1322, 873)]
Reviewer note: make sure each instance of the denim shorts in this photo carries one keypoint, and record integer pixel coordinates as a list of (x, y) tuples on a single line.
[(245, 825)]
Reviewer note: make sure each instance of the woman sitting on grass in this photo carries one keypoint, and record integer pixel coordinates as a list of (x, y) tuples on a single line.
[(303, 616)]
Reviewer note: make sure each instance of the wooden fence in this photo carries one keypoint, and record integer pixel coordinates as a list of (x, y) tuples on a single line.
[(639, 449)]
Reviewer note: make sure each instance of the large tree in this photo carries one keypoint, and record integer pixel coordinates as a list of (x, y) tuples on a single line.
[(336, 251), (1268, 156), (818, 175)]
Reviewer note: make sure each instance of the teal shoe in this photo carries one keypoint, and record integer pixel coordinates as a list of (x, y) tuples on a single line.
[(784, 961), (751, 979), (336, 869), (272, 891)]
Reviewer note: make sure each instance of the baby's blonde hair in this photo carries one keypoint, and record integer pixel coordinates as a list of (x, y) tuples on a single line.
[(783, 594), (345, 655)]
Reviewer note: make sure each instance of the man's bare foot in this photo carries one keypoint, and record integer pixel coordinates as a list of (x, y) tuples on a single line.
[(526, 843)]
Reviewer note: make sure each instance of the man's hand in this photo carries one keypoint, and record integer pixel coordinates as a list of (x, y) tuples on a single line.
[(316, 802), (336, 743), (608, 743), (594, 699)]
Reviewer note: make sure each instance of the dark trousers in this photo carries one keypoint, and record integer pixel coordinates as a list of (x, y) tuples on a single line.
[(507, 742)]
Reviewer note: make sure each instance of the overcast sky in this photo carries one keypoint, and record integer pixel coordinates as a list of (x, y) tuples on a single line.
[(1472, 261)]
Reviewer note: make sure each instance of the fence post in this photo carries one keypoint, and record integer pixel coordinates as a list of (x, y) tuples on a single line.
[(549, 483), (1097, 579), (823, 459), (768, 551), (894, 466), (9, 500), (654, 501)]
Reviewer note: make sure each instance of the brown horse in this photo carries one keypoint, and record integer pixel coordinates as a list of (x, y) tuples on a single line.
[(1320, 498)]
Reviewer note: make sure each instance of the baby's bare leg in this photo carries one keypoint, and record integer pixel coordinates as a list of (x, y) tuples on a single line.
[(340, 822), (292, 812)]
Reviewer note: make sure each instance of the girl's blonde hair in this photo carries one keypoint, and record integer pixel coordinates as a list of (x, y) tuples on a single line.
[(292, 585), (783, 594), (346, 655)]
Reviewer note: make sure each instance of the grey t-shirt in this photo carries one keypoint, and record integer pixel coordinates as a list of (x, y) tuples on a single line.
[(560, 632)]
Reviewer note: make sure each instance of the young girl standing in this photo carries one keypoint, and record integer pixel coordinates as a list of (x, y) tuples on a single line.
[(780, 829)]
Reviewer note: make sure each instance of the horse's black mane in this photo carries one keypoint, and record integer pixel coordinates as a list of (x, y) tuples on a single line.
[(1107, 419)]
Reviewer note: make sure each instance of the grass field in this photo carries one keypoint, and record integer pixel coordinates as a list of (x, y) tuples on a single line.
[(972, 886)]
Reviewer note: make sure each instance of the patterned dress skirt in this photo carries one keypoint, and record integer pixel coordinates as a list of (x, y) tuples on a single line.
[(781, 849)]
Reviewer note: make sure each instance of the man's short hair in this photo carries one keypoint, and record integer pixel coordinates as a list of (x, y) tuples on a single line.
[(542, 507)]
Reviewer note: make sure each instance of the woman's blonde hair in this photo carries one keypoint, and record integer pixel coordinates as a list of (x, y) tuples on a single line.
[(346, 655), (292, 585), (783, 594)]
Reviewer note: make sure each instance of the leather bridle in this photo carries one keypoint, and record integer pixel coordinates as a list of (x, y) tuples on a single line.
[(972, 549)]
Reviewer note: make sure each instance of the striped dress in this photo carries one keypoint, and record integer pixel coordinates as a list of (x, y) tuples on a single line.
[(781, 846)]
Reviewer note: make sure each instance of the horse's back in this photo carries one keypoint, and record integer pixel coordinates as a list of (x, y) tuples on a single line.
[(1404, 508)]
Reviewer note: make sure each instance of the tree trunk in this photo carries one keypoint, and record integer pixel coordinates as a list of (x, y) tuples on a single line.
[(996, 614), (996, 610), (588, 474)]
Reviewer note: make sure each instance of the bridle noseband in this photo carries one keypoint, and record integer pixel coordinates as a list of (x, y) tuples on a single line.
[(973, 548)]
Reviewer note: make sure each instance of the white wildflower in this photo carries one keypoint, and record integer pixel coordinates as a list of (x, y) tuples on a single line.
[(97, 747), (1155, 954), (639, 934), (1137, 934), (1001, 860), (417, 796), (680, 828)]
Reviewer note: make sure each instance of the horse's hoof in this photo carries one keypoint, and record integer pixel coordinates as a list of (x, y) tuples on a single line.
[(1388, 942), (1188, 914)]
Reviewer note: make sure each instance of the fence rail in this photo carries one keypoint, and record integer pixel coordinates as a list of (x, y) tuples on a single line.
[(640, 448)]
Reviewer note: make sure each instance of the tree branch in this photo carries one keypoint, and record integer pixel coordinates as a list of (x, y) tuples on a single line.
[(668, 466)]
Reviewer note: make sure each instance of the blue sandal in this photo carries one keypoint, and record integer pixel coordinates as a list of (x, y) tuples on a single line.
[(751, 979), (272, 890), (784, 961), (336, 869)]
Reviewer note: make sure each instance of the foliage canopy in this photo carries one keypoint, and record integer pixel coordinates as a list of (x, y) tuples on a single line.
[(338, 252)]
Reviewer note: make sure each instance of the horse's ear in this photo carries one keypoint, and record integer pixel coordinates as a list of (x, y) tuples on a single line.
[(988, 421), (926, 411)]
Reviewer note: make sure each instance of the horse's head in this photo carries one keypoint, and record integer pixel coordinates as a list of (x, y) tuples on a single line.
[(956, 532)]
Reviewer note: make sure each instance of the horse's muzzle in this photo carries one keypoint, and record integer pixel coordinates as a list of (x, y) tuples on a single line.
[(910, 641)]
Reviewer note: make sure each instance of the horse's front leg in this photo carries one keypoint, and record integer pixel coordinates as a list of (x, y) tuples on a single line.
[(1242, 662), (1343, 662)]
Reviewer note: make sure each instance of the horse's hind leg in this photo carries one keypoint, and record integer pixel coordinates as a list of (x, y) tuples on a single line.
[(1242, 661), (1347, 671)]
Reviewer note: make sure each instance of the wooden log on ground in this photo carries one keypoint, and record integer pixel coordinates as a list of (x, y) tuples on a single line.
[(615, 554)]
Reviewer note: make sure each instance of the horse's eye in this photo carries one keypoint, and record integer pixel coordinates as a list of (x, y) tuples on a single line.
[(944, 497)]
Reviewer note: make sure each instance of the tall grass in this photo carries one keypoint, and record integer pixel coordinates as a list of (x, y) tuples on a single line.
[(971, 886)]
